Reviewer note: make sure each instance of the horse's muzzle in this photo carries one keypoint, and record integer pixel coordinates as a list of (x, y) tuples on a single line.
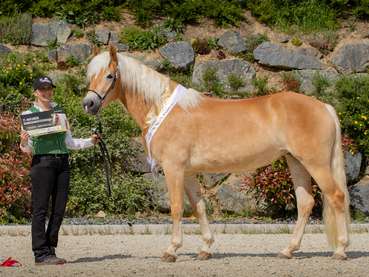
[(91, 103)]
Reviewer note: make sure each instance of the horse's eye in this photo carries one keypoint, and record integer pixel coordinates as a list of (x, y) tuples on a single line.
[(109, 76)]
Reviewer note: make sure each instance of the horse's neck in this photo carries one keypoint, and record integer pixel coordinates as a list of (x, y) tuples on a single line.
[(137, 107)]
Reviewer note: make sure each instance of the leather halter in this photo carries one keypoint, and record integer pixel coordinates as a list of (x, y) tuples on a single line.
[(112, 85)]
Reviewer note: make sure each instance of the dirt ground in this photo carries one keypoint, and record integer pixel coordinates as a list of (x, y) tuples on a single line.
[(234, 255)]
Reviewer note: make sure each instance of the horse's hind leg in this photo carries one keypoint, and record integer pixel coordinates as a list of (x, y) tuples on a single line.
[(174, 176), (193, 191), (305, 203)]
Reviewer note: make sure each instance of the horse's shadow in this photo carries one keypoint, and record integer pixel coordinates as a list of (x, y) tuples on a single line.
[(298, 255), (99, 259)]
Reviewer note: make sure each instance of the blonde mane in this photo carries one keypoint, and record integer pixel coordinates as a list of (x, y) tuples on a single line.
[(141, 79)]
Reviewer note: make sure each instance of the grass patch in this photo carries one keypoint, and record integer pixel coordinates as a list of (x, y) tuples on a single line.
[(139, 39), (16, 29)]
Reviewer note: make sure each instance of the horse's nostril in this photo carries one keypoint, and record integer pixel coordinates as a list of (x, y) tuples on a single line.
[(90, 104)]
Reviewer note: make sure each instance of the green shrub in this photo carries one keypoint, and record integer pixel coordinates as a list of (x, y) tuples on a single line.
[(353, 101), (320, 83), (306, 15), (187, 12), (16, 29), (252, 42), (139, 39), (296, 41), (17, 72), (211, 82), (78, 33), (261, 86), (235, 82)]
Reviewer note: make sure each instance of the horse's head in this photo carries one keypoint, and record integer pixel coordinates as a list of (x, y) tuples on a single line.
[(104, 78)]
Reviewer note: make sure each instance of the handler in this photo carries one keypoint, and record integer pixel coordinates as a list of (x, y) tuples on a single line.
[(49, 173)]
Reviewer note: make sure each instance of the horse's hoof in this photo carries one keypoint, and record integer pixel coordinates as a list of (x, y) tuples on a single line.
[(168, 258), (339, 257), (284, 256), (203, 256)]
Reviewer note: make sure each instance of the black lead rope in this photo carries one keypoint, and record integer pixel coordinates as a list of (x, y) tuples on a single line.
[(105, 156)]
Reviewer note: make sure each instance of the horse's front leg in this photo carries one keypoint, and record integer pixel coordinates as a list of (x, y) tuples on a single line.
[(192, 188), (174, 176)]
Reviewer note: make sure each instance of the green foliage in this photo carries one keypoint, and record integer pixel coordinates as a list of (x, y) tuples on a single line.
[(130, 194), (261, 86), (353, 98), (139, 39), (91, 36), (17, 72), (235, 82), (211, 81), (187, 12), (16, 29), (320, 83), (296, 41), (252, 42), (78, 33), (306, 15), (72, 61)]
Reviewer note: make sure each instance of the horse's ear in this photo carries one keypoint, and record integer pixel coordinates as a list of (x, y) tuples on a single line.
[(95, 51), (113, 54)]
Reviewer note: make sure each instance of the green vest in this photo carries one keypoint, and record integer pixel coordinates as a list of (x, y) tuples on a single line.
[(49, 144)]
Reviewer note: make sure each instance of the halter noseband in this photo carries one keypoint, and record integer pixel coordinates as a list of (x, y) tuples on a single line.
[(102, 98)]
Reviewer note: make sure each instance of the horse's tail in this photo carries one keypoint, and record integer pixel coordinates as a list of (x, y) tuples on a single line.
[(338, 172)]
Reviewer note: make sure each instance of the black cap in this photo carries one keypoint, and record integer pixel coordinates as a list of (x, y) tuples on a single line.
[(43, 82)]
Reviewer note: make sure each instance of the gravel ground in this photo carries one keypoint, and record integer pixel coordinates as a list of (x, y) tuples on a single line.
[(234, 255)]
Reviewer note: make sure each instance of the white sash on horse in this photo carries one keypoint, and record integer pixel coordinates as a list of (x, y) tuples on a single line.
[(167, 107)]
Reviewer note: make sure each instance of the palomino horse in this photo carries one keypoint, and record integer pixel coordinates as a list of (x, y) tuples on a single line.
[(204, 134)]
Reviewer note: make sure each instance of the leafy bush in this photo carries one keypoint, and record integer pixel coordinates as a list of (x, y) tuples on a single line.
[(16, 29), (261, 86), (296, 41), (211, 82), (187, 12), (273, 187), (235, 82), (307, 15), (14, 167), (139, 39), (17, 72), (353, 101)]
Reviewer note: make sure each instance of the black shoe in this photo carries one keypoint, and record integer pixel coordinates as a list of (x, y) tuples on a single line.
[(50, 260)]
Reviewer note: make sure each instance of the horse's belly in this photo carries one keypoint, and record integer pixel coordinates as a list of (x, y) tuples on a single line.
[(241, 160)]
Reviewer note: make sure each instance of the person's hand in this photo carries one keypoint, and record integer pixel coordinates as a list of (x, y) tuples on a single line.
[(95, 138), (24, 138)]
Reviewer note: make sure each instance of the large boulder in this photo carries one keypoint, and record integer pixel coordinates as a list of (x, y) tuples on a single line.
[(232, 198), (223, 69), (275, 55), (160, 195), (61, 30), (352, 57), (352, 165), (359, 195), (232, 42), (102, 35), (79, 51), (44, 34), (137, 162), (180, 54), (307, 77)]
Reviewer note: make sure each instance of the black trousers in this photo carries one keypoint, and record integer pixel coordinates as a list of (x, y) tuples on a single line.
[(50, 179)]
